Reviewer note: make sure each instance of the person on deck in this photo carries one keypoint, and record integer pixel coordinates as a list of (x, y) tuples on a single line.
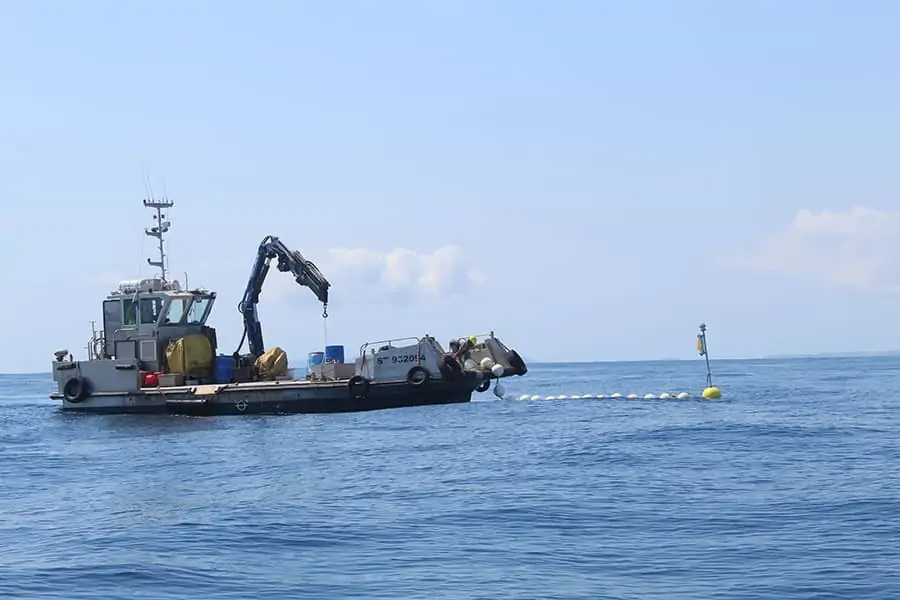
[(464, 347)]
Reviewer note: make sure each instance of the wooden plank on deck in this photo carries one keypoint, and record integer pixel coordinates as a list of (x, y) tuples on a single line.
[(209, 390)]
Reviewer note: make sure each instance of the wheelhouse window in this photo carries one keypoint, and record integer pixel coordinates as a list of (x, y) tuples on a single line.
[(150, 310), (197, 313), (176, 311)]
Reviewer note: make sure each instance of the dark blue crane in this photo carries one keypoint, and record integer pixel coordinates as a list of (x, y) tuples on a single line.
[(305, 273)]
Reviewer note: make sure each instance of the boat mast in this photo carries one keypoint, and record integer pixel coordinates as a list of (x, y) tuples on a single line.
[(158, 231)]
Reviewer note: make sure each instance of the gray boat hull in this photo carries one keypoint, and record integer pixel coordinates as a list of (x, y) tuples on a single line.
[(273, 397)]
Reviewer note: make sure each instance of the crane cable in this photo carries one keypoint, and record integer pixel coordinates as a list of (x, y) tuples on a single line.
[(324, 325)]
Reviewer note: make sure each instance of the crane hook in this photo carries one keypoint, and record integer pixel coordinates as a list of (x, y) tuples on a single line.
[(325, 310)]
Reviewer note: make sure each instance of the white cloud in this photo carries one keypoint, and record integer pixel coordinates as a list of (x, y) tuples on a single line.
[(397, 275), (857, 248), (401, 271)]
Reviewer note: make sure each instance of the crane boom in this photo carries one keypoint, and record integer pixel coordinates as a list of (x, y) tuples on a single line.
[(305, 273)]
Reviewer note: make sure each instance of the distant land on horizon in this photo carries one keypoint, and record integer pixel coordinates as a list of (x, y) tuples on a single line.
[(845, 354), (856, 354)]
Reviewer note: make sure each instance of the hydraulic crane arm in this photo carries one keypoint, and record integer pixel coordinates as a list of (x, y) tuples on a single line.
[(305, 272)]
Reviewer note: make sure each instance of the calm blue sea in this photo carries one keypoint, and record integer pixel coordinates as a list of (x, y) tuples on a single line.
[(787, 488)]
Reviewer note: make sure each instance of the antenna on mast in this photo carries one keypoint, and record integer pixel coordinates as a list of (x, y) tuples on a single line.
[(159, 230)]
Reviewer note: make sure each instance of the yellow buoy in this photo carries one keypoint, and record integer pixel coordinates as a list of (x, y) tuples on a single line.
[(711, 393)]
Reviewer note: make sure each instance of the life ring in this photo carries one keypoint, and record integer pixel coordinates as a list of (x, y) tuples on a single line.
[(417, 376), (450, 367), (358, 386), (75, 390), (483, 386), (516, 362)]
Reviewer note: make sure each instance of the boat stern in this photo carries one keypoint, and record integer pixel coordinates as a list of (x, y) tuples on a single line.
[(420, 359), (492, 355)]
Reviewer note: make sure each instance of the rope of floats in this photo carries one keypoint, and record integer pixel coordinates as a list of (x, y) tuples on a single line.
[(710, 392)]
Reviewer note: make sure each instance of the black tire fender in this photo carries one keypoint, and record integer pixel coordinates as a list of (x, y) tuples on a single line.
[(417, 376), (483, 386), (516, 362), (75, 389), (358, 386)]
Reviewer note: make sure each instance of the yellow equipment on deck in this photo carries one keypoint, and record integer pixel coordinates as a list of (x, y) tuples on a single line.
[(272, 363), (191, 354)]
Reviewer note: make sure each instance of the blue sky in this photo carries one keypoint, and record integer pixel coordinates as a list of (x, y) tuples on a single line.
[(589, 179)]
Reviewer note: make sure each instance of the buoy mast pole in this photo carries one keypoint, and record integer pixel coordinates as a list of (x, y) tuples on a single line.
[(701, 348), (710, 392)]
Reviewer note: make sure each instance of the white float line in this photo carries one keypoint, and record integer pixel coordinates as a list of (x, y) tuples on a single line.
[(663, 396)]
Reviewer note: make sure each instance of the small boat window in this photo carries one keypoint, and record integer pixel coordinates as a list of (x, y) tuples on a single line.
[(197, 312), (150, 310), (176, 311), (129, 312)]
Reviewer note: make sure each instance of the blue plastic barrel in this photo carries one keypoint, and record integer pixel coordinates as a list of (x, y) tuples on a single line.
[(334, 354), (224, 368), (315, 358)]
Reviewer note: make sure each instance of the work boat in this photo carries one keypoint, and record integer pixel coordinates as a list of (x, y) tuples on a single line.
[(156, 353)]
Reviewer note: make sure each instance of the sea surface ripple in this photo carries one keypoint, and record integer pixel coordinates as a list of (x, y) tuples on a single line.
[(786, 488)]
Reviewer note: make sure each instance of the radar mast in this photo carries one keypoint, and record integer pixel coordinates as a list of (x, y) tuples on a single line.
[(158, 231)]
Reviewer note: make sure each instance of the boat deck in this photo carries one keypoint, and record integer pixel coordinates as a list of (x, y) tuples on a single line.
[(208, 389)]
